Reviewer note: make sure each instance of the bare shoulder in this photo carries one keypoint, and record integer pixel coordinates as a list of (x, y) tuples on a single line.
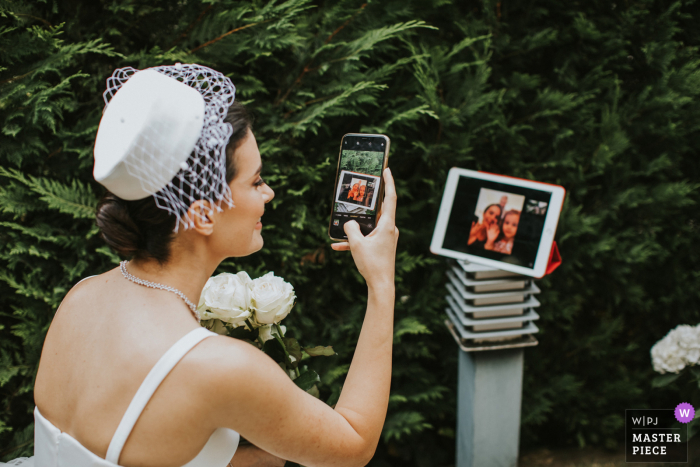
[(241, 380), (238, 378), (235, 367), (89, 289)]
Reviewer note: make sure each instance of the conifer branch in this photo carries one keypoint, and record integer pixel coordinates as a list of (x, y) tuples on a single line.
[(77, 199), (16, 78), (329, 38), (191, 26), (307, 103), (34, 17), (306, 67), (15, 448), (296, 82), (55, 152), (206, 44)]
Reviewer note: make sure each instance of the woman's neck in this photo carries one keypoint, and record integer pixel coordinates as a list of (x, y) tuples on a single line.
[(185, 271)]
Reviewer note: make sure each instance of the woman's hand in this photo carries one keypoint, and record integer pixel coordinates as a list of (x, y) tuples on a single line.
[(491, 235), (251, 456), (477, 232), (375, 254)]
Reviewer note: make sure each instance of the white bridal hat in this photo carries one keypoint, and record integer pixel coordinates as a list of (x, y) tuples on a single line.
[(163, 134)]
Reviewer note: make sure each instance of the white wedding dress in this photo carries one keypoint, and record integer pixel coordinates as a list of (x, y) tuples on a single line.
[(52, 448)]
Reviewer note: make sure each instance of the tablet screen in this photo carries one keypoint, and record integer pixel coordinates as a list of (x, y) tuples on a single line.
[(497, 221)]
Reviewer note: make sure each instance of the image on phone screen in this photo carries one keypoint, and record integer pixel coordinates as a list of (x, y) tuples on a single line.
[(358, 183)]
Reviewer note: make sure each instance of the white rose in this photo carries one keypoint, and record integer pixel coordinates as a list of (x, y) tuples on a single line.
[(226, 297), (272, 298), (267, 331)]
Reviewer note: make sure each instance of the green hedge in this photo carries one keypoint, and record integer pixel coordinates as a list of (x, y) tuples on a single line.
[(597, 96)]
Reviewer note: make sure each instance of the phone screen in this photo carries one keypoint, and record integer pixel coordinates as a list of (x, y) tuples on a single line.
[(359, 184)]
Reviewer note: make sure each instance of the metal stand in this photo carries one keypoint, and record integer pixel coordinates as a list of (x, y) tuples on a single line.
[(490, 317), (488, 408)]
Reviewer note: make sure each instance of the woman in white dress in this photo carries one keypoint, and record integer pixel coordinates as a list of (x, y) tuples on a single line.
[(128, 377)]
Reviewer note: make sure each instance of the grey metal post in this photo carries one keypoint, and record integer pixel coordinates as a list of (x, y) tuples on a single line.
[(488, 408)]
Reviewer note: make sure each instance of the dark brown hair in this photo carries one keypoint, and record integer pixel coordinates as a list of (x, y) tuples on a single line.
[(140, 229), (500, 209)]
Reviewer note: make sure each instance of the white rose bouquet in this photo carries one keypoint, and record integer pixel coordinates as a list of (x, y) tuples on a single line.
[(251, 309)]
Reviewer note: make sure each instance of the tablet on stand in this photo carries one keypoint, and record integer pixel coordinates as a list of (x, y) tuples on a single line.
[(500, 231)]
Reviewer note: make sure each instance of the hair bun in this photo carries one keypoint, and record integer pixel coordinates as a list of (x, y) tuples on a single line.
[(116, 225)]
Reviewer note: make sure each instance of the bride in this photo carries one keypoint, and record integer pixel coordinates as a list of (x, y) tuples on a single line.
[(127, 375)]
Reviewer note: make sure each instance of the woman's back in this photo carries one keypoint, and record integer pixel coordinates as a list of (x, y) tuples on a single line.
[(110, 332), (105, 339)]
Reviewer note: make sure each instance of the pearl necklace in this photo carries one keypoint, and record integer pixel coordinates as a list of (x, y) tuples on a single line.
[(155, 285)]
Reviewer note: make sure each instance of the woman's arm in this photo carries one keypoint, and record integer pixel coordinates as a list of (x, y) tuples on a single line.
[(251, 456), (251, 393)]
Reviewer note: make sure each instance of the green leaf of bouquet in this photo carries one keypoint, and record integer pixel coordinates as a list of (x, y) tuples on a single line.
[(314, 391), (242, 333), (335, 395), (275, 351), (294, 350), (320, 351), (307, 380), (664, 380)]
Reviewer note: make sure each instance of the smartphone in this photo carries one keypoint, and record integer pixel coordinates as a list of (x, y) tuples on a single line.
[(359, 185)]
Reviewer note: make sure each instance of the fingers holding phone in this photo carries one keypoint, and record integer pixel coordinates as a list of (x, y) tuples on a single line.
[(375, 254), (359, 186), (388, 207)]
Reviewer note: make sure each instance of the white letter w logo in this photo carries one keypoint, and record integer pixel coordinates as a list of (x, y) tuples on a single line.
[(684, 412)]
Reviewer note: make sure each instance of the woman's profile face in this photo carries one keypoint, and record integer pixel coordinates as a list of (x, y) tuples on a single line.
[(238, 231), (491, 215)]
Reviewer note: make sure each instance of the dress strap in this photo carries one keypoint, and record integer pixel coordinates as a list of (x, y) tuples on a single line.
[(83, 279), (156, 376)]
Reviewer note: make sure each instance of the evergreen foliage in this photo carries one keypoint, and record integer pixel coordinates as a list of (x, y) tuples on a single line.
[(599, 97), (361, 161)]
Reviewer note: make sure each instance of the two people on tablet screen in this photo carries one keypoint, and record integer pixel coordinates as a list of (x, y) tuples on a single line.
[(358, 194), (496, 230)]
